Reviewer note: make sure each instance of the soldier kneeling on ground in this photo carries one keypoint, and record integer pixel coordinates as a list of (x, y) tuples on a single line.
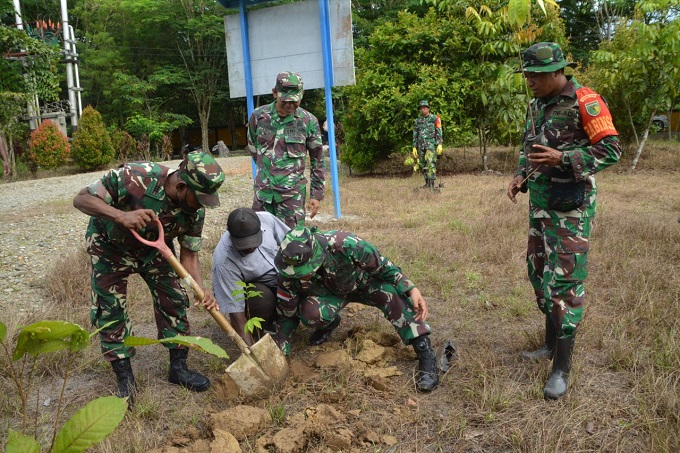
[(320, 272)]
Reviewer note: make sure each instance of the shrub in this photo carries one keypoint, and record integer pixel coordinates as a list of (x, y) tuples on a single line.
[(91, 147), (166, 147), (48, 147), (124, 145), (143, 147)]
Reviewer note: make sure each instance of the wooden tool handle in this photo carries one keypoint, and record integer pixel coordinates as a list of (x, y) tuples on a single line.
[(217, 316)]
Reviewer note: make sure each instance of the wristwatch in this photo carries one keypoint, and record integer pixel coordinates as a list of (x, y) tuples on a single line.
[(566, 160)]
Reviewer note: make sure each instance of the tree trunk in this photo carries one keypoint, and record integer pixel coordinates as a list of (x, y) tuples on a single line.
[(482, 148), (203, 117), (639, 150), (632, 124), (12, 157)]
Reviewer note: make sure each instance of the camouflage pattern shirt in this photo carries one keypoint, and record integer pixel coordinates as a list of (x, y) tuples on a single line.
[(578, 123), (427, 132), (350, 264), (279, 147), (141, 186)]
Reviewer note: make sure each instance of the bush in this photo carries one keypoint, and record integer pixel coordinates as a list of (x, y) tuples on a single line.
[(124, 145), (91, 147), (48, 147), (166, 147)]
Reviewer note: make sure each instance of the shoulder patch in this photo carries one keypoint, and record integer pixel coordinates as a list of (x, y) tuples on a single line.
[(595, 117), (593, 108)]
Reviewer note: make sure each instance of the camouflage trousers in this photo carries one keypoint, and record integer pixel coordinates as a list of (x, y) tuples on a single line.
[(110, 273), (290, 211), (557, 265), (428, 163), (319, 311)]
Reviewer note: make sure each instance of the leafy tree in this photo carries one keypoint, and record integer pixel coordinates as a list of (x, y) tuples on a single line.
[(460, 58), (497, 104), (154, 131), (91, 147), (411, 59), (28, 71), (368, 14), (639, 69), (155, 59), (48, 146)]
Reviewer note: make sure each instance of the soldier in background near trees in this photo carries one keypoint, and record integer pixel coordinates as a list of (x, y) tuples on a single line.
[(280, 135), (246, 253), (320, 272), (134, 196), (427, 143), (569, 136)]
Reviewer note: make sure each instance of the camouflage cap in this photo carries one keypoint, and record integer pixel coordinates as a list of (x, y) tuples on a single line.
[(544, 57), (300, 254), (289, 86), (423, 103), (203, 174)]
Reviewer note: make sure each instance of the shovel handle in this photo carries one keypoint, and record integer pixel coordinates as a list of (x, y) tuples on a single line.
[(186, 277), (199, 294)]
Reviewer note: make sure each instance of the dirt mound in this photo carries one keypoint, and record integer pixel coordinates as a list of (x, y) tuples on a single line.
[(366, 358)]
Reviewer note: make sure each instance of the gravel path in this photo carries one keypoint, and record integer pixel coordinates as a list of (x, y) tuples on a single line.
[(39, 223)]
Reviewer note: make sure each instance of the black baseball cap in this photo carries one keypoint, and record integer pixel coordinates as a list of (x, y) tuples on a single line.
[(244, 228)]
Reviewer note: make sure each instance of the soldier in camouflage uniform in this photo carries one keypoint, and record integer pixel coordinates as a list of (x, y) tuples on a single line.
[(568, 137), (427, 143), (280, 135), (320, 272), (133, 197)]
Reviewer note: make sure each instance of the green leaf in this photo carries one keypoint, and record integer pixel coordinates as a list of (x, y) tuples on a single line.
[(518, 11), (253, 323), (18, 443), (50, 336), (542, 5), (90, 425), (3, 331), (201, 343), (134, 341)]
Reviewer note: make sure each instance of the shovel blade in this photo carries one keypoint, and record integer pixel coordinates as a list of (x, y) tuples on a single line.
[(249, 377), (271, 359)]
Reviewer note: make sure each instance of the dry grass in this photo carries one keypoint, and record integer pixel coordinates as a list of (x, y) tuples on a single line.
[(464, 247)]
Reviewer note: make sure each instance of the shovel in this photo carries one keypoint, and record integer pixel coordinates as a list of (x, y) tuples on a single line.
[(261, 367)]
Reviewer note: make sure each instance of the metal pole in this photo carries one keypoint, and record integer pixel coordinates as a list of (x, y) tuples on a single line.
[(69, 56), (247, 71), (75, 67), (327, 52)]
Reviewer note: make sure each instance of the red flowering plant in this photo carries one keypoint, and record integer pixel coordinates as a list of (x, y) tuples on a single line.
[(48, 147)]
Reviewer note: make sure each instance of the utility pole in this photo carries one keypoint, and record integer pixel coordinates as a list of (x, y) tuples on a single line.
[(70, 57)]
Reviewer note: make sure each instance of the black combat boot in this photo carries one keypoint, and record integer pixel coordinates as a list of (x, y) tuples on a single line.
[(427, 377), (427, 183), (126, 380), (546, 351), (322, 334), (558, 381), (181, 375)]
